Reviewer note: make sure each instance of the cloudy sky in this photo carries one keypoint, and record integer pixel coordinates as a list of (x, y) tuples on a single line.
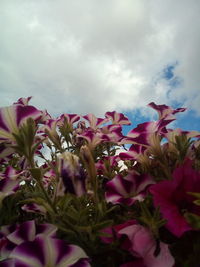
[(97, 56)]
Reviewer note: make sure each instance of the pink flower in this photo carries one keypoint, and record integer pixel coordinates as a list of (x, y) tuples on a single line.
[(173, 199), (141, 244)]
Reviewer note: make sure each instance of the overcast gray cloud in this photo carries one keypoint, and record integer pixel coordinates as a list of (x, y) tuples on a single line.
[(94, 56)]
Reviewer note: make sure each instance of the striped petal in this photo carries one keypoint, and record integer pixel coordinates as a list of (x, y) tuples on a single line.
[(128, 189), (11, 118), (165, 111), (8, 187), (23, 101), (70, 118), (117, 118), (94, 121), (24, 232), (45, 251)]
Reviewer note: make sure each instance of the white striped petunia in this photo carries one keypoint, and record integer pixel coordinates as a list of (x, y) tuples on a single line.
[(126, 190), (165, 111), (48, 252), (94, 121), (117, 118), (12, 117)]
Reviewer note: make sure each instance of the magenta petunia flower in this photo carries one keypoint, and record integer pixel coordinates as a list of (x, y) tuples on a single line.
[(126, 190), (173, 199)]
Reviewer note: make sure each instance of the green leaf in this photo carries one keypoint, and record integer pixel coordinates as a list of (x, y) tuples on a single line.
[(193, 219), (36, 173), (102, 225)]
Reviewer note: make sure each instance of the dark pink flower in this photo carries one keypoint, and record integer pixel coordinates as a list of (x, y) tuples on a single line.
[(173, 199)]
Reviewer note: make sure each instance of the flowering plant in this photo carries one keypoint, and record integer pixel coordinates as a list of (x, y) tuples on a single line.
[(75, 191)]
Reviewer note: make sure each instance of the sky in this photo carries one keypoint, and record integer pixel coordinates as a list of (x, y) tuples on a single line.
[(95, 56)]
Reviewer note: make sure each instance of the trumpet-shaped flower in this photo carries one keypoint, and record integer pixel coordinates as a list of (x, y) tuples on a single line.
[(128, 189), (147, 133), (134, 152), (14, 235), (35, 245), (93, 138), (117, 118), (11, 118), (139, 241), (143, 245), (173, 199), (46, 251), (94, 121), (165, 111), (70, 118), (112, 133)]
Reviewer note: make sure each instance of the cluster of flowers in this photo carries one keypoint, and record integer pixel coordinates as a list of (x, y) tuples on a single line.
[(75, 191)]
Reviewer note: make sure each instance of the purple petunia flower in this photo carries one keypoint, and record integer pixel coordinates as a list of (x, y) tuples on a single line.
[(31, 245)]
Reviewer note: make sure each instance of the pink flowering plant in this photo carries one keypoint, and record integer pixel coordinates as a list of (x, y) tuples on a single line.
[(76, 191)]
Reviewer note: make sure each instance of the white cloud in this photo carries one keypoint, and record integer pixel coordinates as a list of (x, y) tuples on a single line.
[(94, 56)]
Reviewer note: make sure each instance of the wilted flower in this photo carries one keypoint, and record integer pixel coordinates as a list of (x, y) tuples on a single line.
[(72, 173)]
